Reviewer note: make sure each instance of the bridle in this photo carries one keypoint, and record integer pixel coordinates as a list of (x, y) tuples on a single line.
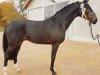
[(83, 9)]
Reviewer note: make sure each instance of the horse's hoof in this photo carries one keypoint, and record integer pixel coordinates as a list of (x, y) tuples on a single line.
[(18, 70), (52, 69), (5, 73)]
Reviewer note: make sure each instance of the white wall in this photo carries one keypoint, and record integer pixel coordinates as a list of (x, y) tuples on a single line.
[(35, 11), (35, 14)]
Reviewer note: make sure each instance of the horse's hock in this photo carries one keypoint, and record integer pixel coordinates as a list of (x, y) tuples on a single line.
[(73, 58)]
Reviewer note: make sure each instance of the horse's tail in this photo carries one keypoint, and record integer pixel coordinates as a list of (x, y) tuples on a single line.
[(5, 42)]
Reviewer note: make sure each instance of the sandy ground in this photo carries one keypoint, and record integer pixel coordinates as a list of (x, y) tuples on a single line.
[(73, 58)]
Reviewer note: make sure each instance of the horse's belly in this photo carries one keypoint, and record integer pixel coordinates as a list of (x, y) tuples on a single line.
[(39, 40)]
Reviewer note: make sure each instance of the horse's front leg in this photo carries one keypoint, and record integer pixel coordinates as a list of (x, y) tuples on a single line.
[(53, 55)]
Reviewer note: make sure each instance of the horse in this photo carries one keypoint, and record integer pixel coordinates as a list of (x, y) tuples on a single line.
[(50, 31)]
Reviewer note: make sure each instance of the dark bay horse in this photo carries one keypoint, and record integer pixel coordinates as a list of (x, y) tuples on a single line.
[(50, 31)]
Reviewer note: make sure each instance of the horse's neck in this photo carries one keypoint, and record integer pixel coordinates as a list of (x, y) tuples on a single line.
[(70, 19), (66, 20)]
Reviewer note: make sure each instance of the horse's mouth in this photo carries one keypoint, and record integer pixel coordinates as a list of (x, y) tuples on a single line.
[(93, 20)]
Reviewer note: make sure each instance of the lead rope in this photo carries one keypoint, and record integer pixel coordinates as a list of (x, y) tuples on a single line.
[(94, 37)]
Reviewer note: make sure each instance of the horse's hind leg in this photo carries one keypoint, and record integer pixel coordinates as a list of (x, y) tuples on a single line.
[(5, 66), (16, 65), (11, 53), (15, 57), (6, 58)]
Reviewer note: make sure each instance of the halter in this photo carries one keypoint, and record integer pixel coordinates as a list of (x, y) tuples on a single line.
[(83, 9)]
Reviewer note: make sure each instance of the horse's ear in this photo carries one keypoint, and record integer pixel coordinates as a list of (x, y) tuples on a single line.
[(85, 1)]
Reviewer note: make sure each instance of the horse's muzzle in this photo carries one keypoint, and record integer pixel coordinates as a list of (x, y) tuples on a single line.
[(94, 20)]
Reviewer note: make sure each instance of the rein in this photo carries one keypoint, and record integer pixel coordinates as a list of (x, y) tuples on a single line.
[(96, 36)]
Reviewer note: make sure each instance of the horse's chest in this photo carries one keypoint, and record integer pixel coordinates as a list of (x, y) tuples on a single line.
[(58, 37)]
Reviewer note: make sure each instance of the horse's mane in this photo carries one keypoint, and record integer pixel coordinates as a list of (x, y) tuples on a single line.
[(66, 8)]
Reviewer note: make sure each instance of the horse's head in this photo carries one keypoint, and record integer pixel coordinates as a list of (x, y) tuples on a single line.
[(87, 13)]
